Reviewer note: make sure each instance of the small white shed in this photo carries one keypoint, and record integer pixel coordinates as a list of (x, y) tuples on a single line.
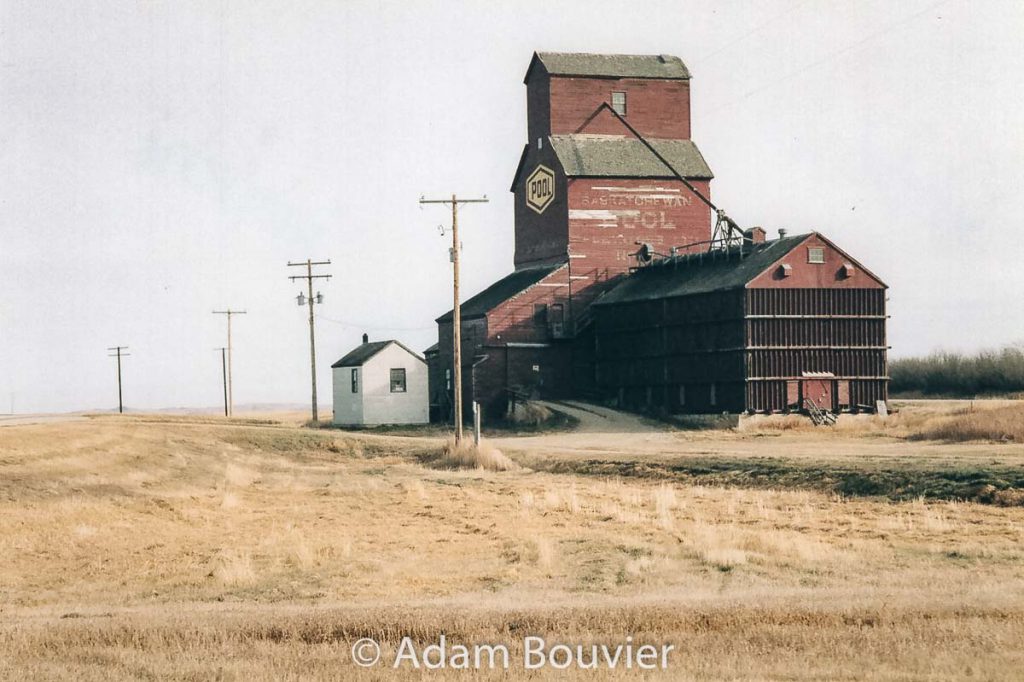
[(382, 382)]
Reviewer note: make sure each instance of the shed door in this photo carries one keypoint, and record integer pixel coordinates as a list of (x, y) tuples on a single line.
[(819, 392)]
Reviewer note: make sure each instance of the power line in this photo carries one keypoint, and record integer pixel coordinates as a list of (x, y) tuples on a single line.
[(829, 57), (759, 27), (367, 327)]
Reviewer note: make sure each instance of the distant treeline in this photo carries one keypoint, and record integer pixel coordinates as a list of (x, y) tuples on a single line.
[(994, 372)]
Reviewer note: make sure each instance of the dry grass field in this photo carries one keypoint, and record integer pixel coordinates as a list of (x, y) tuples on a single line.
[(146, 547)]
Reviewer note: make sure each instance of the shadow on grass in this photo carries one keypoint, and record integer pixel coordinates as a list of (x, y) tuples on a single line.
[(999, 485), (555, 423)]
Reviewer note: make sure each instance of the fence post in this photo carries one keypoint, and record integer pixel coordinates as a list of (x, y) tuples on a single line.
[(476, 423)]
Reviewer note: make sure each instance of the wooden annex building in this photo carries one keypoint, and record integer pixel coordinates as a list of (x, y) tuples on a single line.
[(763, 327), (624, 293)]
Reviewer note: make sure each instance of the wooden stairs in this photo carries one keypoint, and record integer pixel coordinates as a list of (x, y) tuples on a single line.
[(820, 416)]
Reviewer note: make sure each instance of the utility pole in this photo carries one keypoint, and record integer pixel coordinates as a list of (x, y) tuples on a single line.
[(224, 376), (309, 277), (118, 354), (231, 396), (456, 312)]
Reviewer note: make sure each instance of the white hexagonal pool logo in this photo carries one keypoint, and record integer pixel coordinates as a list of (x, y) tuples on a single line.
[(540, 188)]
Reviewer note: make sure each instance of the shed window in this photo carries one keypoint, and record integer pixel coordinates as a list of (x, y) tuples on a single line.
[(815, 254), (540, 314), (398, 380), (619, 103), (355, 381)]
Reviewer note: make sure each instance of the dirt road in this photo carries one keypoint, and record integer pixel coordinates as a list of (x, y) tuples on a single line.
[(25, 419), (597, 419), (605, 434)]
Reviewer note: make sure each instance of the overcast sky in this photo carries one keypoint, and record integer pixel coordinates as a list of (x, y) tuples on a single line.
[(159, 160)]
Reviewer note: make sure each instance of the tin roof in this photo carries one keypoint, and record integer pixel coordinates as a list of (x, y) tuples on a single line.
[(701, 273), (500, 291), (661, 66), (358, 356), (615, 156)]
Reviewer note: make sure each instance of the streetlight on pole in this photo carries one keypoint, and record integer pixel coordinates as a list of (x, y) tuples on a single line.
[(456, 312), (303, 300)]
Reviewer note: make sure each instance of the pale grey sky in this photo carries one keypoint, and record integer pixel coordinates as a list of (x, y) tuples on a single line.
[(159, 160)]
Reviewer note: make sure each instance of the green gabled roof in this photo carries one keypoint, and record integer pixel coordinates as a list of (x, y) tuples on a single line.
[(611, 65), (358, 356), (701, 273), (502, 290), (615, 156)]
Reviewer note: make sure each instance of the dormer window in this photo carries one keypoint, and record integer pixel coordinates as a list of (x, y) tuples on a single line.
[(815, 254), (619, 103)]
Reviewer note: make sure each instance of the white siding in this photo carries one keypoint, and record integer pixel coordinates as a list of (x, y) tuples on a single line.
[(348, 406), (380, 405), (375, 403)]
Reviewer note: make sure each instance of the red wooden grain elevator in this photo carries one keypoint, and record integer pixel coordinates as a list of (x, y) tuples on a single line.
[(683, 324)]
